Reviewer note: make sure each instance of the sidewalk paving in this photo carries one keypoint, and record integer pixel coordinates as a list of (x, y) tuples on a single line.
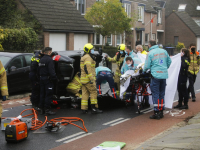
[(184, 136)]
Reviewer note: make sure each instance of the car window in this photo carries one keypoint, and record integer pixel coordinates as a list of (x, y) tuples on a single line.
[(4, 59), (28, 59), (18, 62)]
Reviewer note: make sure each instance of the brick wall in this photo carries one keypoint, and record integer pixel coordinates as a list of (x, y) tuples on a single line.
[(70, 41), (176, 27), (89, 3)]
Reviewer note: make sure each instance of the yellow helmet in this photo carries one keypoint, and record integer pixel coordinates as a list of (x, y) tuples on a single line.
[(88, 47), (122, 47)]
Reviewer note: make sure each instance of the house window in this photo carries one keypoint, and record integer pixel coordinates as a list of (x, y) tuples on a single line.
[(175, 40), (141, 13), (80, 5), (97, 39), (181, 7), (159, 16), (198, 7), (119, 39), (127, 9), (109, 39), (146, 39), (153, 36)]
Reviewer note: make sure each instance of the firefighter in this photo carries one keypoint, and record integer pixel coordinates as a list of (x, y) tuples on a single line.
[(193, 70), (104, 75), (88, 79), (47, 80), (34, 77), (118, 58), (75, 85), (3, 86)]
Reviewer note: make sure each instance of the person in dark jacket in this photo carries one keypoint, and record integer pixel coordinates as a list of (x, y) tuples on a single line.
[(182, 80), (47, 79), (34, 77)]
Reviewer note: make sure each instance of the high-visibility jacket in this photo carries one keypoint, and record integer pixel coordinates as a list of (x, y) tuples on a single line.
[(3, 81), (144, 52), (119, 63), (194, 63), (158, 61), (87, 66), (75, 85)]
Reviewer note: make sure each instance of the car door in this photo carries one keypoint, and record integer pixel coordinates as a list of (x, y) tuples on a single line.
[(16, 73), (27, 69)]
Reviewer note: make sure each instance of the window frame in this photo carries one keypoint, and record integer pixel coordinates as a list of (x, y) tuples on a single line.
[(146, 42), (110, 39), (182, 7), (100, 40), (141, 9), (127, 5), (26, 60), (159, 20), (77, 6), (120, 39), (23, 59)]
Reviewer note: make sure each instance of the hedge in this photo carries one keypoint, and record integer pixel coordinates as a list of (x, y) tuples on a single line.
[(110, 50), (24, 39)]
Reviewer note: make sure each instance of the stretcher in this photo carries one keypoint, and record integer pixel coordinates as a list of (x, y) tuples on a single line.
[(140, 82)]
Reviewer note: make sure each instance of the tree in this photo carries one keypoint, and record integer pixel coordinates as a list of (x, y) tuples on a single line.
[(108, 17)]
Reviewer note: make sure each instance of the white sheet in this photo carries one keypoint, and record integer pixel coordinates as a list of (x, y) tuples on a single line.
[(172, 80)]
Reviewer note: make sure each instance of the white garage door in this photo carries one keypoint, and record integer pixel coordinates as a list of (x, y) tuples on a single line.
[(57, 41), (80, 40), (198, 43)]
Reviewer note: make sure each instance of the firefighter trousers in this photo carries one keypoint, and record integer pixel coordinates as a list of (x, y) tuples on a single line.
[(1, 108), (106, 76), (117, 84), (89, 90)]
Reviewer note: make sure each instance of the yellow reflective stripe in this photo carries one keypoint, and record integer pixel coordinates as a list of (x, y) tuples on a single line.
[(119, 74), (194, 61), (89, 75), (192, 72), (87, 62), (93, 101), (84, 102), (35, 59), (77, 80), (73, 87), (93, 65), (187, 62), (81, 65), (4, 87), (2, 70)]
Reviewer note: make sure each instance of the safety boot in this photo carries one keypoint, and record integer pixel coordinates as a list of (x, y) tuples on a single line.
[(178, 106), (49, 112), (184, 107), (161, 114), (194, 99), (95, 110), (156, 115)]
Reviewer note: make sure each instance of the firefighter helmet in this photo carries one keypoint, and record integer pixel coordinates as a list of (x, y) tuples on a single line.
[(88, 47), (121, 47)]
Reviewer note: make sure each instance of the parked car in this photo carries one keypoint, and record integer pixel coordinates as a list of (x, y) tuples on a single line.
[(17, 66)]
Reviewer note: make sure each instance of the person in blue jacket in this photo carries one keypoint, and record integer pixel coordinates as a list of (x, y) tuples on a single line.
[(104, 75), (158, 61), (129, 53), (131, 64)]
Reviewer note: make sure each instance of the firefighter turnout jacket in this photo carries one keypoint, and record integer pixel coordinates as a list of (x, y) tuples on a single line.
[(3, 81), (194, 63), (75, 85)]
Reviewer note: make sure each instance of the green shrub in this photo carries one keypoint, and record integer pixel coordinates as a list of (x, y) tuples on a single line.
[(19, 39), (110, 50), (179, 46)]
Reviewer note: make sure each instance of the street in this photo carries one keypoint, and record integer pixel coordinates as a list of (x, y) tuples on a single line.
[(113, 121)]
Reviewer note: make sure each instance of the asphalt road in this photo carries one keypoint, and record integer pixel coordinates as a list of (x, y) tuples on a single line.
[(111, 116)]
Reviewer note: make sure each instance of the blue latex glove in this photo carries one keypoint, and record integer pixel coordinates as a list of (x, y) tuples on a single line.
[(3, 98)]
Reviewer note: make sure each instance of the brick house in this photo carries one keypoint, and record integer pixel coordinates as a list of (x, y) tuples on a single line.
[(143, 29), (63, 27), (182, 22)]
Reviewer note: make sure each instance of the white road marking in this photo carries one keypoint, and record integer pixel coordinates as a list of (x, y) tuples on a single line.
[(148, 111), (198, 90), (113, 121), (76, 138), (73, 135), (5, 110), (120, 122)]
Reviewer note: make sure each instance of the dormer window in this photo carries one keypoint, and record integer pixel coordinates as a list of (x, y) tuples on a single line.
[(198, 7), (181, 7)]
